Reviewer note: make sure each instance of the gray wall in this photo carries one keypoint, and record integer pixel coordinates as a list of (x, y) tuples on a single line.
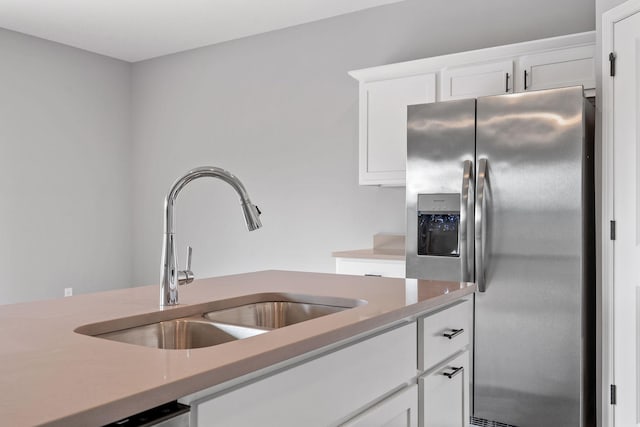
[(279, 111), (65, 170), (90, 146)]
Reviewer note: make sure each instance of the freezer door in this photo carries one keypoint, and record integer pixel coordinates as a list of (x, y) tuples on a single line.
[(530, 365), (440, 200)]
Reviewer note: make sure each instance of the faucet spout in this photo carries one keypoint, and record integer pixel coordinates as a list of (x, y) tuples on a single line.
[(170, 276)]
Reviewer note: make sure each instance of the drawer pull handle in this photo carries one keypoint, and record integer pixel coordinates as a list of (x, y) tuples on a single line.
[(373, 275), (454, 372), (454, 333)]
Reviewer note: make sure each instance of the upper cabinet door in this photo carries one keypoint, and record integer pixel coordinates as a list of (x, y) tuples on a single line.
[(383, 126), (472, 81), (557, 68)]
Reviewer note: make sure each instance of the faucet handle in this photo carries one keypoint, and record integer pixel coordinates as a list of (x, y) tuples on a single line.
[(186, 276), (189, 253)]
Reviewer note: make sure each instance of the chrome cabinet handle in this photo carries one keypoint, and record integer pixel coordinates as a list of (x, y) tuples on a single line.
[(454, 333), (454, 372), (479, 229), (373, 275), (467, 197)]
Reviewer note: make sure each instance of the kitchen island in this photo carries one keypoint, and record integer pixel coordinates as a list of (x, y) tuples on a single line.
[(51, 375)]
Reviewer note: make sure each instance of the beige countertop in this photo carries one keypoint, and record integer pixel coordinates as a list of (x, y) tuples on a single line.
[(51, 375)]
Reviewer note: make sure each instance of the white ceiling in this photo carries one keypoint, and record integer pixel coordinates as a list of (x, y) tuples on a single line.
[(134, 30)]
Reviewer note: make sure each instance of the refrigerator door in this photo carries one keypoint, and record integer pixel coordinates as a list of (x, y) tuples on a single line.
[(440, 200), (529, 358)]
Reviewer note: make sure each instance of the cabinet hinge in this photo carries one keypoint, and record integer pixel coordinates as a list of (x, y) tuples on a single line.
[(612, 64), (612, 232), (613, 394)]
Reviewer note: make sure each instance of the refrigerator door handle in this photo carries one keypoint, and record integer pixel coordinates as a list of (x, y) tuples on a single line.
[(480, 231), (465, 238)]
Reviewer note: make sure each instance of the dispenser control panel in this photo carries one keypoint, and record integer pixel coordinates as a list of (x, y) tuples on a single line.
[(438, 224)]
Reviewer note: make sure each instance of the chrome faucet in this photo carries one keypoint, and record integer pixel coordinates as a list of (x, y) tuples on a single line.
[(170, 276)]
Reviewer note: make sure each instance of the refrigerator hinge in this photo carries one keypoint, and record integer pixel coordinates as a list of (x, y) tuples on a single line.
[(612, 64), (612, 232), (613, 394)]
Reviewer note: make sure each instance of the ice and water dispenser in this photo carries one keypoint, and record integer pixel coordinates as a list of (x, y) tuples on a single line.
[(438, 223)]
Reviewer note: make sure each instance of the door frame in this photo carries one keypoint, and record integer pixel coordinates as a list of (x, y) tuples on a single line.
[(609, 19)]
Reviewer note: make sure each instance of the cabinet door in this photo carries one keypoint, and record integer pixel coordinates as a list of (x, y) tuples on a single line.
[(320, 392), (399, 410), (444, 394), (493, 78), (558, 68), (383, 126)]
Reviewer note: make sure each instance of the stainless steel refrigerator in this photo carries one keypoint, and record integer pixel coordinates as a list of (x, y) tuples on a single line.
[(500, 191)]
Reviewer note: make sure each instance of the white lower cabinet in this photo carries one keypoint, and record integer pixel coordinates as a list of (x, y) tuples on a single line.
[(325, 391), (399, 410), (375, 381), (371, 267), (444, 339), (444, 394)]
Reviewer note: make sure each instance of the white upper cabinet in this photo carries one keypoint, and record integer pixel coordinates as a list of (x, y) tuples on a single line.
[(383, 126), (494, 78), (558, 68), (385, 91)]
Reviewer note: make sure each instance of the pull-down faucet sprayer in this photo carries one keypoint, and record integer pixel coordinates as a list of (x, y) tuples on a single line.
[(170, 276)]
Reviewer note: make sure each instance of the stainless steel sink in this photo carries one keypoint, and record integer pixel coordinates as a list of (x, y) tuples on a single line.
[(216, 322), (181, 334), (272, 314)]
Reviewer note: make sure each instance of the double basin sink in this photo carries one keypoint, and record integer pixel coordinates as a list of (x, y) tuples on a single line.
[(217, 322)]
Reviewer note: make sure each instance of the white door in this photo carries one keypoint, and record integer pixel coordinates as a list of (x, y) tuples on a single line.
[(622, 139)]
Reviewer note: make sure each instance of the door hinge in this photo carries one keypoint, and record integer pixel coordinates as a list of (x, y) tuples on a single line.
[(613, 394), (612, 64), (613, 230)]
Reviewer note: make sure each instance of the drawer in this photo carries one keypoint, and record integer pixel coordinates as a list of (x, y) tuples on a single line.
[(370, 267), (444, 333), (444, 394)]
